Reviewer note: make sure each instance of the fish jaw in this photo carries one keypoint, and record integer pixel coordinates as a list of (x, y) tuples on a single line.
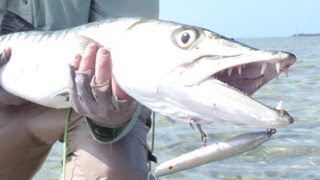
[(221, 97), (192, 81), (214, 101)]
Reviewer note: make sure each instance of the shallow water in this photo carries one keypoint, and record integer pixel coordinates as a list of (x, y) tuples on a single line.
[(292, 153)]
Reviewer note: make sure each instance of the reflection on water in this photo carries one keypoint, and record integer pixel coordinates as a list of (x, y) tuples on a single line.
[(292, 153)]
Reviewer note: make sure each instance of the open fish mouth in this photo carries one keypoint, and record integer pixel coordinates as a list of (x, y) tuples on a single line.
[(226, 83), (249, 77)]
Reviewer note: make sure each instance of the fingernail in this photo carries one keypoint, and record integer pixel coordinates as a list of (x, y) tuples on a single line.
[(93, 46), (104, 51)]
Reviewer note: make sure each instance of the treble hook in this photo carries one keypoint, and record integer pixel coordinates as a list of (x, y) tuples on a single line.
[(271, 131), (203, 135)]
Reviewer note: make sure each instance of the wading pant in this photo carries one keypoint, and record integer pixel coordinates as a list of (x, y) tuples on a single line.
[(28, 132)]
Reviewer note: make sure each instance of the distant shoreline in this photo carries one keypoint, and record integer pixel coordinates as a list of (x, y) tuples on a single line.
[(298, 35)]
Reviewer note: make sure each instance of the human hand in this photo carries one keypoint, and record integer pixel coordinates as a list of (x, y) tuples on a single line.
[(6, 98), (93, 92)]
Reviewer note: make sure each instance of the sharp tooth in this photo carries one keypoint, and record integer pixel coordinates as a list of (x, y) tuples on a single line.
[(257, 84), (278, 67), (286, 71), (239, 70), (254, 84), (263, 68), (279, 106), (229, 71)]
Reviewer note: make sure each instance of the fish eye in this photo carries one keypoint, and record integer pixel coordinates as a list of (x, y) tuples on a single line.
[(186, 37)]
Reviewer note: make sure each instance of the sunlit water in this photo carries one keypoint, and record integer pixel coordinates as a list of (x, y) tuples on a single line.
[(292, 153)]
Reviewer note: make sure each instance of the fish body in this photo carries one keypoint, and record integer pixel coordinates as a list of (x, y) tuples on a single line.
[(184, 72)]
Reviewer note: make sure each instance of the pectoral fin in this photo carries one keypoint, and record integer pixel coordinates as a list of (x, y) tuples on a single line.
[(80, 42), (62, 94)]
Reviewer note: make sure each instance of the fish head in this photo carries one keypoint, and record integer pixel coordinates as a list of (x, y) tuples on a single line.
[(196, 75)]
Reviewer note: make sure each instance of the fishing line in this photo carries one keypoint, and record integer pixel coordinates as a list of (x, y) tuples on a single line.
[(65, 142), (153, 117)]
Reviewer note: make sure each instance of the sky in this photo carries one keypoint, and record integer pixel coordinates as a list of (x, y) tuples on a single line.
[(246, 18)]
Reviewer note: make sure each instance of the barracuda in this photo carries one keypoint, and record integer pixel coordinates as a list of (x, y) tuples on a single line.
[(184, 72)]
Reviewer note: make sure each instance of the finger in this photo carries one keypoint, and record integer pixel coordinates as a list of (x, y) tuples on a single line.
[(118, 92), (5, 55), (103, 66), (76, 62), (89, 57)]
